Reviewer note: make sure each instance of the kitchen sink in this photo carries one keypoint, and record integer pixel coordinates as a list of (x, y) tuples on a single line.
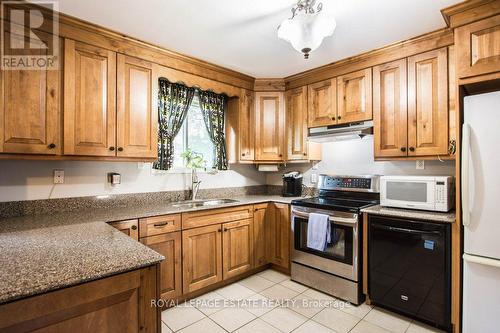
[(203, 203)]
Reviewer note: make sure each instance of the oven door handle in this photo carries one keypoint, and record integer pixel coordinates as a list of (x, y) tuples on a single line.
[(336, 219)]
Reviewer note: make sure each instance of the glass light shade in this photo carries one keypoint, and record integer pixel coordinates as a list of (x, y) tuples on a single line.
[(306, 31)]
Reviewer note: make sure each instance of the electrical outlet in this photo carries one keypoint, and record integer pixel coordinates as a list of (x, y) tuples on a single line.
[(420, 165), (58, 176), (314, 178)]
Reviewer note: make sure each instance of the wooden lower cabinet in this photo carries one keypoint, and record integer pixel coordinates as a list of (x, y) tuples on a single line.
[(128, 227), (237, 248), (279, 234), (201, 257), (120, 303), (260, 231), (168, 245)]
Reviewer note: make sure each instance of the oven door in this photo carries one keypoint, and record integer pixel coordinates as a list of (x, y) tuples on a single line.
[(340, 256), (407, 192)]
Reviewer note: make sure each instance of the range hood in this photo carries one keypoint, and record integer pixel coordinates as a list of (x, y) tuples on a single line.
[(342, 132)]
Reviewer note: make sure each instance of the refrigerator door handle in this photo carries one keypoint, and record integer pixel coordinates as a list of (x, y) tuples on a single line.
[(465, 174), (482, 260)]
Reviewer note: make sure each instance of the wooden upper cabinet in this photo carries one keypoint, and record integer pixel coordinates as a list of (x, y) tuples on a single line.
[(169, 246), (246, 126), (269, 126), (279, 234), (29, 108), (137, 119), (260, 232), (478, 47), (390, 125), (322, 103), (89, 100), (128, 227), (237, 247), (354, 96), (428, 103), (296, 123), (201, 257)]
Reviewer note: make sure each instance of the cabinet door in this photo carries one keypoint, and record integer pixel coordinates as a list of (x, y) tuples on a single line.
[(279, 234), (296, 123), (89, 100), (390, 127), (137, 119), (322, 103), (29, 108), (478, 47), (269, 131), (354, 96), (246, 126), (168, 245), (260, 234), (201, 257), (237, 247), (128, 227), (428, 103)]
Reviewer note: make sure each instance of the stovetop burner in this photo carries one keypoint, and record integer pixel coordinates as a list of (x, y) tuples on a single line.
[(344, 193), (343, 204)]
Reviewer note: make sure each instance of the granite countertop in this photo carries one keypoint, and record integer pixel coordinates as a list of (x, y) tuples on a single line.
[(41, 253), (411, 213)]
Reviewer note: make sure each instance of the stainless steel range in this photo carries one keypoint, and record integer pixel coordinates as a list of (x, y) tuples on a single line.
[(337, 269)]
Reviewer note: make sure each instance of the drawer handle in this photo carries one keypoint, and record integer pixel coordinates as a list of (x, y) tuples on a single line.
[(161, 225)]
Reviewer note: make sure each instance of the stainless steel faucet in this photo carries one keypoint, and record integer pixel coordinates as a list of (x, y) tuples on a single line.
[(195, 184)]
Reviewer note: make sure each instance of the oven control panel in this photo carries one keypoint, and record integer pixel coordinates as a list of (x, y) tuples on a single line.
[(353, 183)]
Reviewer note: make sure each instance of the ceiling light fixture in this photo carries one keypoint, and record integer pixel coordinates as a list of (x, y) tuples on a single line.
[(307, 27)]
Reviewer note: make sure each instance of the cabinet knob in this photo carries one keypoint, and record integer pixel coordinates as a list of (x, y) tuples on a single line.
[(134, 227), (333, 118), (305, 154), (225, 229), (52, 146), (412, 149), (219, 230), (281, 155), (120, 149), (339, 117), (403, 149), (112, 148), (243, 154)]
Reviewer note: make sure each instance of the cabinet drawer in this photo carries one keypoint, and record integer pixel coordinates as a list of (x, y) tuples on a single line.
[(158, 225), (128, 227), (216, 216)]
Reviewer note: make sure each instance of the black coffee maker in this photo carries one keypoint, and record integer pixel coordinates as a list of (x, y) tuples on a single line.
[(292, 184)]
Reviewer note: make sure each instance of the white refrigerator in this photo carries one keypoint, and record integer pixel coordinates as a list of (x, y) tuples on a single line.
[(481, 213)]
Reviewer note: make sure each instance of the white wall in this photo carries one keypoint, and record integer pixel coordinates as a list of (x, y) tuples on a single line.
[(355, 157), (30, 180)]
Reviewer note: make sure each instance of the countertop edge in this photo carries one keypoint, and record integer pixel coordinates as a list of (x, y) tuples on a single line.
[(440, 217)]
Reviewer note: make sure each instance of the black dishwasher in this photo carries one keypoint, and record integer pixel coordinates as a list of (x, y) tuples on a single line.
[(409, 268)]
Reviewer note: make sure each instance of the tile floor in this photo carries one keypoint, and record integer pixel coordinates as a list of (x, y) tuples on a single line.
[(271, 302)]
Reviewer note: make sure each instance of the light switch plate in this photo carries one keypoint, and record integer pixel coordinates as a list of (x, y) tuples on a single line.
[(58, 176), (420, 165)]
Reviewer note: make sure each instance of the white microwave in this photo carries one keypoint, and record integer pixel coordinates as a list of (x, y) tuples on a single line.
[(435, 193)]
